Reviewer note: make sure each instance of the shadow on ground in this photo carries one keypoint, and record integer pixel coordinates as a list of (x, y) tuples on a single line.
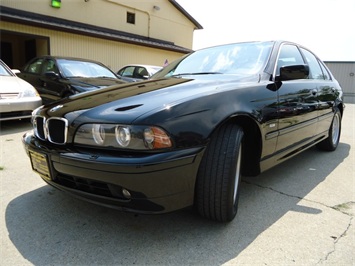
[(14, 126), (50, 227)]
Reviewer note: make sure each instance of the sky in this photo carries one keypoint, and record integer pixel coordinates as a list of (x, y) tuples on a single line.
[(326, 27)]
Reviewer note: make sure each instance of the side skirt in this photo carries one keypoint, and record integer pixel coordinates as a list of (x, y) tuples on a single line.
[(283, 155)]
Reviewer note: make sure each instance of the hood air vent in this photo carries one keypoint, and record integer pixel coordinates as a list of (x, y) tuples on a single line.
[(126, 108)]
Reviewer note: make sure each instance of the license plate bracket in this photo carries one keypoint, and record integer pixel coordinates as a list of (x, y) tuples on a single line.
[(40, 164)]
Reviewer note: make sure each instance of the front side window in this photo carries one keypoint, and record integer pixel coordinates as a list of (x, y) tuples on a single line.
[(289, 56), (315, 71), (126, 72), (50, 66), (35, 67)]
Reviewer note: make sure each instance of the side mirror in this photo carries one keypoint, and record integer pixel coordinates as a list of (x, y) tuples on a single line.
[(16, 71), (51, 75), (293, 72)]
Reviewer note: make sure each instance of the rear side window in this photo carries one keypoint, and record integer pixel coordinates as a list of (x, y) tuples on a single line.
[(49, 65), (289, 56), (142, 72), (326, 74), (315, 71)]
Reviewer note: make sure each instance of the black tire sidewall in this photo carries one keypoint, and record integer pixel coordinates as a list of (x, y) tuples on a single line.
[(233, 205), (216, 176)]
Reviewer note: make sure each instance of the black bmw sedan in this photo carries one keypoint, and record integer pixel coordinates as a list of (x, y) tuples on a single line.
[(56, 77), (185, 137)]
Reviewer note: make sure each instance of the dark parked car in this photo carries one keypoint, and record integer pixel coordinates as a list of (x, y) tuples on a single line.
[(57, 77), (134, 73), (186, 136)]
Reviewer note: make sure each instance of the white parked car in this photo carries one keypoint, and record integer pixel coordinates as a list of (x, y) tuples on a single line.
[(134, 73), (18, 98)]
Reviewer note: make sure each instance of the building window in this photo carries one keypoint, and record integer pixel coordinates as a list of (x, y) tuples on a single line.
[(131, 18)]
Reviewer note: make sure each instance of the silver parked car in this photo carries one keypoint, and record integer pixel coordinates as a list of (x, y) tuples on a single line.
[(134, 73), (18, 98)]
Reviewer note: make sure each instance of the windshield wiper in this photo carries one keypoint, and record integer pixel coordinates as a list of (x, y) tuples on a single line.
[(196, 73)]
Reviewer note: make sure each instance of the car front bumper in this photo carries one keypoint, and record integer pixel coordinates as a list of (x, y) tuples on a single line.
[(153, 183), (18, 108)]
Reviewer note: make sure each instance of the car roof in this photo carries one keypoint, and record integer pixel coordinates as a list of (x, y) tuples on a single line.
[(67, 58), (140, 65)]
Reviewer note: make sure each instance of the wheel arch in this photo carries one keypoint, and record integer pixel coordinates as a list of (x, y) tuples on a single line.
[(252, 143), (341, 106)]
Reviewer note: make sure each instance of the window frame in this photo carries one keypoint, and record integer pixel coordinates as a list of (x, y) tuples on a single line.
[(313, 63), (131, 18), (277, 67)]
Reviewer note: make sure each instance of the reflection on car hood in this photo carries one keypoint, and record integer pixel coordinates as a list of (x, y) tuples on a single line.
[(12, 84), (126, 103), (94, 83)]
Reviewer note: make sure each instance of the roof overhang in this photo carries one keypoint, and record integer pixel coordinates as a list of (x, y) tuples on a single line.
[(186, 14)]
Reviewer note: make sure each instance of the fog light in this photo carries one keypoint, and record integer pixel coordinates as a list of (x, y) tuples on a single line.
[(126, 193)]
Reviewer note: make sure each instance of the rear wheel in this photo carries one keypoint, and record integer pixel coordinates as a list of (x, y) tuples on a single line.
[(331, 143), (218, 180)]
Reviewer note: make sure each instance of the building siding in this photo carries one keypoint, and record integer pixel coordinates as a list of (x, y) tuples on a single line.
[(344, 72), (159, 34), (166, 23), (112, 53)]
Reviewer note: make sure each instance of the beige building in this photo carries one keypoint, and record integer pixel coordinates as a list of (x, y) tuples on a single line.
[(114, 32)]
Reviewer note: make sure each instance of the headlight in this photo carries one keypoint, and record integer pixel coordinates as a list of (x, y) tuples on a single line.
[(29, 92), (123, 136), (98, 134)]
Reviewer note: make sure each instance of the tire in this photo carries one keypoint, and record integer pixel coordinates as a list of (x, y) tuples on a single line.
[(331, 143), (218, 179)]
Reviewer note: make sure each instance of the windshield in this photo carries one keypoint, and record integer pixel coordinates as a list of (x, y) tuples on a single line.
[(241, 59), (82, 69), (4, 71)]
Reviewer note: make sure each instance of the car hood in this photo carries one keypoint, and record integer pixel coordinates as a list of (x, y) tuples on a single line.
[(84, 84), (13, 84), (126, 103)]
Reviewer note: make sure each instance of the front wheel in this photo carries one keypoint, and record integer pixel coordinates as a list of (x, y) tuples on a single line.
[(331, 143), (218, 180)]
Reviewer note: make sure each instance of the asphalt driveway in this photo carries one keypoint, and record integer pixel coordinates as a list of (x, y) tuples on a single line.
[(298, 213)]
